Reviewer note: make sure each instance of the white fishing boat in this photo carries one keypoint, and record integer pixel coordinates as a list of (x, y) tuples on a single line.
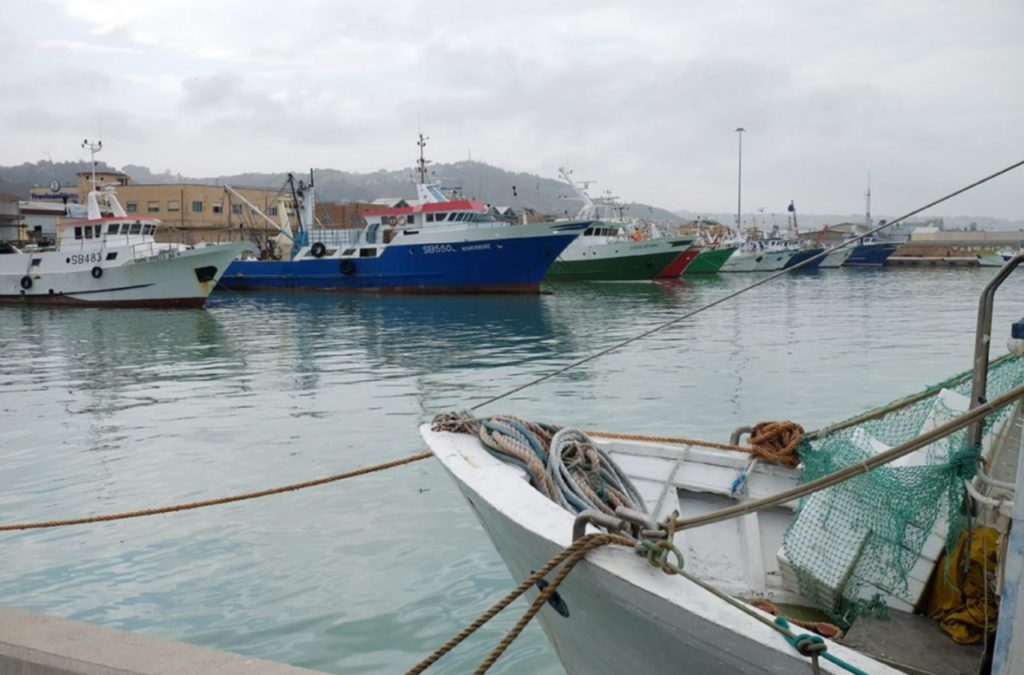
[(110, 258), (744, 259), (883, 496)]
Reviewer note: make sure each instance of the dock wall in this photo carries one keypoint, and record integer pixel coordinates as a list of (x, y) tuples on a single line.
[(33, 644)]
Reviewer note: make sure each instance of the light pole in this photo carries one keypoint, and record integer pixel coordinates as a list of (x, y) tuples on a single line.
[(739, 184)]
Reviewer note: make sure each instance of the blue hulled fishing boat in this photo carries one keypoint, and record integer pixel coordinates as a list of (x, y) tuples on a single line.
[(436, 245)]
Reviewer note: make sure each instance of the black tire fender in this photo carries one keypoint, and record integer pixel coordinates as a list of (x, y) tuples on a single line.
[(97, 272), (348, 267), (318, 249), (26, 282)]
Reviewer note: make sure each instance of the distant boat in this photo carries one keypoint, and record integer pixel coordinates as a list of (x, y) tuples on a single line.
[(435, 246), (612, 250), (110, 258)]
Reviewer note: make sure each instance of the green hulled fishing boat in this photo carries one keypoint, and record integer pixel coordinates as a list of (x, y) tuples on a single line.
[(709, 260), (606, 252)]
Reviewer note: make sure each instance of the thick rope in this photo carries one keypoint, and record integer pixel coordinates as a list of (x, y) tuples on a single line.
[(220, 500), (579, 548), (771, 441)]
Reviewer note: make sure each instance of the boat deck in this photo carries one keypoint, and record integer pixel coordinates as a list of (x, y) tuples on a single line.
[(913, 644)]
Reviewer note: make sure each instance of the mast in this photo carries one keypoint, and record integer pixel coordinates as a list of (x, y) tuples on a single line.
[(93, 149), (421, 163), (867, 210)]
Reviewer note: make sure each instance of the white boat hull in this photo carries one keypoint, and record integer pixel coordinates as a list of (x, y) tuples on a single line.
[(624, 615), (171, 278), (773, 261), (835, 259), (741, 261)]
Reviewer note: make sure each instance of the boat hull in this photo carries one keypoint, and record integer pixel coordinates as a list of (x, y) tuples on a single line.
[(510, 259), (773, 261), (710, 261), (679, 266), (835, 259), (741, 261), (623, 615), (801, 256), (617, 261), (173, 279), (871, 255)]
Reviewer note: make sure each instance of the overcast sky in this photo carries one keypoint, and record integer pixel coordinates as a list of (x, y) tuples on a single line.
[(644, 97)]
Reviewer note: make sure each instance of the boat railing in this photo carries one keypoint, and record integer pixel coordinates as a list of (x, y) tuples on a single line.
[(335, 238)]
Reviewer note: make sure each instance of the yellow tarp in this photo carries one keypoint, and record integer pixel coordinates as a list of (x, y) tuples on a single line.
[(960, 605)]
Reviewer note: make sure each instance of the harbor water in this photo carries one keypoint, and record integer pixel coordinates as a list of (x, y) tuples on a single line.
[(111, 410)]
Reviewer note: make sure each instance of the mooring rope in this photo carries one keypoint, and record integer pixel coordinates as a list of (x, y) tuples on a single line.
[(216, 502)]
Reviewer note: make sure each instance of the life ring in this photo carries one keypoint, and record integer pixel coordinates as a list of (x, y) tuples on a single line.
[(318, 250), (26, 282), (97, 272), (392, 220), (348, 268)]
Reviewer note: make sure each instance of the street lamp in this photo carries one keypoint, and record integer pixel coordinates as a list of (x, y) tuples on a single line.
[(739, 184)]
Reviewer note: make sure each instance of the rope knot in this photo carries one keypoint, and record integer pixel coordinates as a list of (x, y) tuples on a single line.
[(657, 545), (458, 422), (777, 442)]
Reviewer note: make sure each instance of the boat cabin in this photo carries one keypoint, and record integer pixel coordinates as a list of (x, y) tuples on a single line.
[(458, 214), (107, 224)]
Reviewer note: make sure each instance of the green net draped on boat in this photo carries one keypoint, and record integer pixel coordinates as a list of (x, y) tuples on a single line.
[(875, 538)]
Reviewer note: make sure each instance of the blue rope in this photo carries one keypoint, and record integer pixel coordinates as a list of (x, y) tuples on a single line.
[(795, 641)]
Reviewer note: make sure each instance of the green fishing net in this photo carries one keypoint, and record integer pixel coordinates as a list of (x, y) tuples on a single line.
[(875, 538)]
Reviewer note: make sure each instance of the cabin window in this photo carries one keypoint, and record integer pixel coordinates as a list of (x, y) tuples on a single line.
[(135, 228), (112, 228), (173, 205), (131, 207), (99, 231), (148, 229), (410, 219), (367, 253), (349, 251), (451, 216), (153, 207), (236, 208), (88, 232), (272, 210), (112, 255), (218, 207), (440, 217), (430, 217), (197, 207), (78, 233)]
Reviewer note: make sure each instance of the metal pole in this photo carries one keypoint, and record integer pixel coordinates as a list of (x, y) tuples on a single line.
[(739, 184), (982, 340)]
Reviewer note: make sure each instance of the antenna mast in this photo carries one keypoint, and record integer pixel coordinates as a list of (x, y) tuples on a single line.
[(421, 163), (867, 196), (93, 149)]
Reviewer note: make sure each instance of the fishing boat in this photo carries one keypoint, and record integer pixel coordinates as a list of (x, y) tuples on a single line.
[(437, 245), (612, 250), (111, 258), (777, 557), (710, 260), (744, 258)]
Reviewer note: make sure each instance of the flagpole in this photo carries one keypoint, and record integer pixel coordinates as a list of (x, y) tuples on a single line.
[(739, 185)]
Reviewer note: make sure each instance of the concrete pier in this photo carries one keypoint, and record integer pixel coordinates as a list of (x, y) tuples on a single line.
[(33, 644)]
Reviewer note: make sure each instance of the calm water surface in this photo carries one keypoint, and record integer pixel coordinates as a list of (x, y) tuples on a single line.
[(105, 410)]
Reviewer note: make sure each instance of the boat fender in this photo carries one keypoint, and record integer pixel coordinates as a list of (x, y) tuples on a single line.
[(97, 272), (1016, 342), (348, 268), (556, 601), (318, 250), (26, 282)]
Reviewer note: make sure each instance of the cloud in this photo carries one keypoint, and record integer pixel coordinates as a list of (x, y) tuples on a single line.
[(644, 98)]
